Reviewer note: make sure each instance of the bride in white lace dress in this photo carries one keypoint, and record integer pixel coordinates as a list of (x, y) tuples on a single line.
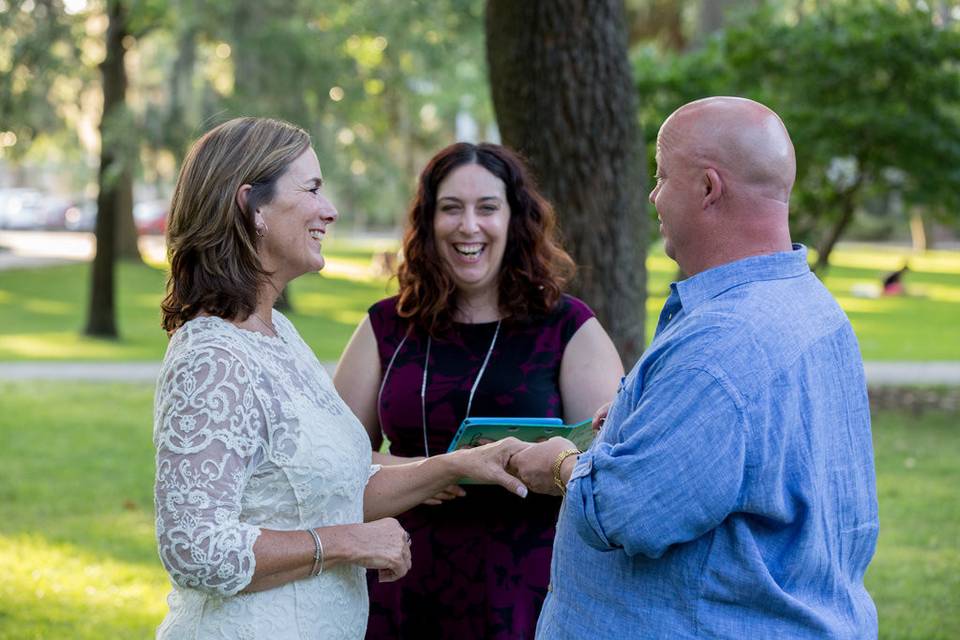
[(268, 508)]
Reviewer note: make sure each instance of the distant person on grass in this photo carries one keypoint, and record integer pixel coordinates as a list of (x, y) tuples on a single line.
[(268, 508), (893, 282), (731, 492)]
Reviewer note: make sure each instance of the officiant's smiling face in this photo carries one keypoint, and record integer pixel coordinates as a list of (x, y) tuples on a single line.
[(470, 227), (481, 242)]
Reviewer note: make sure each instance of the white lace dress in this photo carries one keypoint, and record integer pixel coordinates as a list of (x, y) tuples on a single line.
[(250, 433)]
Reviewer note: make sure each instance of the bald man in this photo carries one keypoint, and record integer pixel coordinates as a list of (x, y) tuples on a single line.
[(731, 491)]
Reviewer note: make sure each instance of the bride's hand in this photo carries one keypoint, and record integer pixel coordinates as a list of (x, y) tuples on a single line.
[(384, 545), (488, 463)]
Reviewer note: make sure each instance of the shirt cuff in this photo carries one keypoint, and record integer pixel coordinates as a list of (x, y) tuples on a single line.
[(583, 508)]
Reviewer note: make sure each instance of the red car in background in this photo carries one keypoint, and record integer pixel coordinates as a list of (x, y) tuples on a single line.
[(150, 216)]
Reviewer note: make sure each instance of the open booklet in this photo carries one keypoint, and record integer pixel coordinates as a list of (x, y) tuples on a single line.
[(474, 431)]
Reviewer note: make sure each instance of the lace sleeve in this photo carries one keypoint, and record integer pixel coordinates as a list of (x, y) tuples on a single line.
[(210, 433)]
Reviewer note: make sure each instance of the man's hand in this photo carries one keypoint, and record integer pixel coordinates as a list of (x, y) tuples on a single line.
[(600, 417), (534, 465)]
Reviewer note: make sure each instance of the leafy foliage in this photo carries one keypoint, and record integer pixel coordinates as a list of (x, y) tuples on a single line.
[(870, 92), (40, 72), (379, 85)]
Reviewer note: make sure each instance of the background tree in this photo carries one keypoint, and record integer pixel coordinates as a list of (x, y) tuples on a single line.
[(868, 90), (115, 230), (379, 85), (563, 95), (115, 178), (39, 47)]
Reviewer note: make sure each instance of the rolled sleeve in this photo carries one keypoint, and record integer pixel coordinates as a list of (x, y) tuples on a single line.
[(668, 473), (588, 525)]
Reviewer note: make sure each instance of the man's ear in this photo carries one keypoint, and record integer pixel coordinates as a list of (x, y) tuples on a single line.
[(712, 187)]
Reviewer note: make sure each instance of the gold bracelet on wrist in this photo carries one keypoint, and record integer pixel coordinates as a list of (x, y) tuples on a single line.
[(563, 455)]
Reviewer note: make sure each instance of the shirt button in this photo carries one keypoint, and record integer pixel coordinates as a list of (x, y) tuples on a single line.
[(549, 586)]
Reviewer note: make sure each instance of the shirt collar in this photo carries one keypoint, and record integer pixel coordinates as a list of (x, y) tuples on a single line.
[(709, 284)]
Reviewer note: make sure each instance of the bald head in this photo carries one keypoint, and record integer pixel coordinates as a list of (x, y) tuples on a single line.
[(743, 140), (725, 168)]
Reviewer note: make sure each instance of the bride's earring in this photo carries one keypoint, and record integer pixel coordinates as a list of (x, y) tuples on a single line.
[(261, 226)]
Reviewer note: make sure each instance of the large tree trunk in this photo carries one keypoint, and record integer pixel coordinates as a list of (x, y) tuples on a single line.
[(101, 314), (564, 96)]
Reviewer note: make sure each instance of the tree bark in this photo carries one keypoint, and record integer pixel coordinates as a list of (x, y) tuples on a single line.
[(127, 236), (848, 207), (563, 93), (101, 314)]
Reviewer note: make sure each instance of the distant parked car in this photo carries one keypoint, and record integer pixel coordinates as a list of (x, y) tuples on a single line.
[(56, 211), (151, 216), (23, 208), (81, 217)]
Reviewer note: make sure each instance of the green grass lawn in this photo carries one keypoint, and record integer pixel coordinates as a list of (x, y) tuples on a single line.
[(76, 524), (915, 578), (44, 309)]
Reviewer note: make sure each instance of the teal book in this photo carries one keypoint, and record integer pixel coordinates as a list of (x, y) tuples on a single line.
[(475, 431)]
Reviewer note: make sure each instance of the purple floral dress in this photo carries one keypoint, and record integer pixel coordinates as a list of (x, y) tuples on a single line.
[(481, 563)]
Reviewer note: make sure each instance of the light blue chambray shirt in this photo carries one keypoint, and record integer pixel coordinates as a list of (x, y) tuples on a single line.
[(731, 493)]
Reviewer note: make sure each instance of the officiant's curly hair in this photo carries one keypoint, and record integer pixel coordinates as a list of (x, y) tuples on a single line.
[(211, 240), (535, 267)]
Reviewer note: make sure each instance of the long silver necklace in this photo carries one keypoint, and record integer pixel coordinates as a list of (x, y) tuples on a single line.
[(423, 381)]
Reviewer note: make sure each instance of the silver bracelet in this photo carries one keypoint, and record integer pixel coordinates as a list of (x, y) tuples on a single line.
[(317, 553)]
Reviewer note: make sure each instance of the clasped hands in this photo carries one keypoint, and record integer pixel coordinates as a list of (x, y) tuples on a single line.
[(531, 463)]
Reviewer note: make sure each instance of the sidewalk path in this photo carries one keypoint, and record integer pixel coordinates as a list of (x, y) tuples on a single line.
[(30, 249), (887, 374), (879, 374)]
